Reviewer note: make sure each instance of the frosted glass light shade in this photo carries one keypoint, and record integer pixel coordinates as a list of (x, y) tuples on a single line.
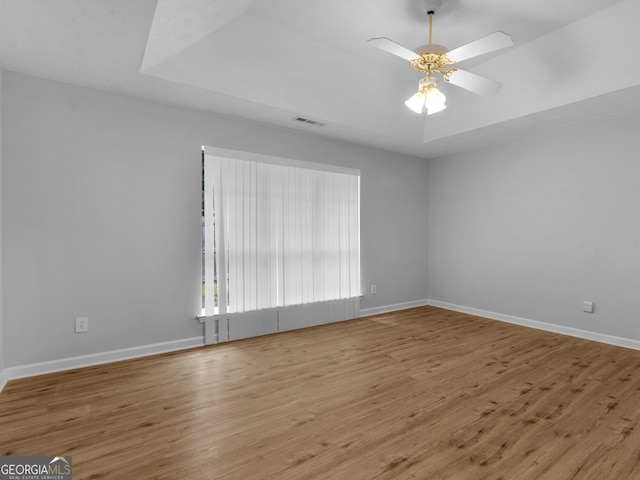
[(416, 102), (435, 101)]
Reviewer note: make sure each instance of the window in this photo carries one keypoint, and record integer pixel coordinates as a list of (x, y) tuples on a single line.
[(281, 232)]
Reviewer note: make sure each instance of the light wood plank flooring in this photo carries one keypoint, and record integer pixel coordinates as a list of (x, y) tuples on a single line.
[(424, 394)]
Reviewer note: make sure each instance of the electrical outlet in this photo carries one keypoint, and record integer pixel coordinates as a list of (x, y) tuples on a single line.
[(374, 290), (587, 306), (82, 324)]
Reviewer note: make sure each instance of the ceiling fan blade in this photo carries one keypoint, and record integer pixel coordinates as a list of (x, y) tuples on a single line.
[(490, 43), (390, 46), (474, 83)]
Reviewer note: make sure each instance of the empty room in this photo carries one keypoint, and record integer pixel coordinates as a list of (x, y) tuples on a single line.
[(284, 239)]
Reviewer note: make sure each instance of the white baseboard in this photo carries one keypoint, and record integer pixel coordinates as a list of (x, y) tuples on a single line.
[(30, 370), (3, 379), (22, 371), (365, 312), (549, 327)]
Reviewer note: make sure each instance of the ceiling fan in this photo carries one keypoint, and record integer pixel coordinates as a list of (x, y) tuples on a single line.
[(432, 58)]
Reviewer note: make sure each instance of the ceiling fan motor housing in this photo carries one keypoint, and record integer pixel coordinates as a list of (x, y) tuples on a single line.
[(432, 59)]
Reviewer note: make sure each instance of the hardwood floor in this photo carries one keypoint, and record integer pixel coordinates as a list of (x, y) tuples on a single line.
[(424, 393)]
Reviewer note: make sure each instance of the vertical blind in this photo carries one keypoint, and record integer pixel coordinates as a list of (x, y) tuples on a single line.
[(281, 232)]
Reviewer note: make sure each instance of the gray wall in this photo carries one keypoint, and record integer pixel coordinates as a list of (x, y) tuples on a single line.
[(102, 216), (534, 227), (1, 249)]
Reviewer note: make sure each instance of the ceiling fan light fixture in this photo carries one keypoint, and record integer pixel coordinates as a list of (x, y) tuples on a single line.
[(428, 96)]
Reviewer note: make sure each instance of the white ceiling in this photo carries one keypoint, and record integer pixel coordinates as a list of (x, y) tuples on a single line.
[(273, 60)]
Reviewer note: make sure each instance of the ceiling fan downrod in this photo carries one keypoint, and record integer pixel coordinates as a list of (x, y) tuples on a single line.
[(431, 7)]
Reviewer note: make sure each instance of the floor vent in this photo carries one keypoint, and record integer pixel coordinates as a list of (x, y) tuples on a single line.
[(309, 121)]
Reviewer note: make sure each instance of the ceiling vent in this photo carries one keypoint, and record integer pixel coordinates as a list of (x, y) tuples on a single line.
[(308, 121)]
